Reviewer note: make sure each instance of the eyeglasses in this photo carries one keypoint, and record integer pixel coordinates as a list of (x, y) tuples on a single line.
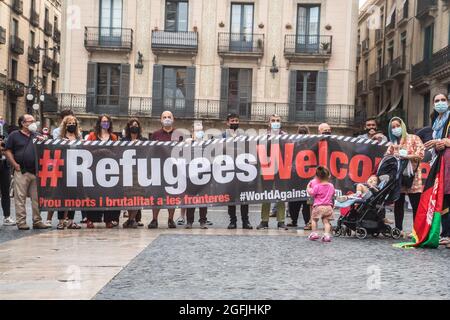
[(440, 100)]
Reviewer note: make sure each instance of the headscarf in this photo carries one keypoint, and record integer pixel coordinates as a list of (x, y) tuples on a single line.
[(393, 138)]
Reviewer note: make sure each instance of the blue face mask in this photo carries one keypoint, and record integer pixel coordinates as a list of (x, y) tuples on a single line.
[(397, 132), (276, 125), (199, 135), (441, 107)]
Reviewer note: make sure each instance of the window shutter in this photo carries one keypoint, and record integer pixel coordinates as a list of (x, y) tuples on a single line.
[(224, 79), (322, 86), (157, 91), (124, 89), (190, 92), (292, 94), (91, 87)]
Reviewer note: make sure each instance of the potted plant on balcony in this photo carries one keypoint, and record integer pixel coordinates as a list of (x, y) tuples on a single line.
[(325, 46), (259, 43)]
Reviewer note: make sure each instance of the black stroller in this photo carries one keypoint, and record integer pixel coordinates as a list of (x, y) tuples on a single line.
[(367, 214)]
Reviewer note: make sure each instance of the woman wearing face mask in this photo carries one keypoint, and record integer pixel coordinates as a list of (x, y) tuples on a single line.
[(133, 132), (441, 148), (103, 131), (70, 131), (406, 147)]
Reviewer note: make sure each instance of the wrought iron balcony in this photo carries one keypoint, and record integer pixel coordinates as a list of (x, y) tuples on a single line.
[(398, 68), (2, 35), (16, 88), (16, 45), (441, 61), (426, 9), (337, 115), (420, 71), (108, 39), (55, 70), (47, 63), (362, 88), (390, 28), (17, 6), (358, 52), (375, 80), (56, 35), (365, 46), (308, 47), (33, 55), (241, 44), (48, 28), (403, 14), (378, 36), (175, 42), (34, 18)]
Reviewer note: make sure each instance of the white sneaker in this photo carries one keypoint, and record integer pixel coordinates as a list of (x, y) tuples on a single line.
[(8, 222), (49, 223)]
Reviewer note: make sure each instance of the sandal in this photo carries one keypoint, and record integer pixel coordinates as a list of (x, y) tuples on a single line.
[(60, 226), (74, 226)]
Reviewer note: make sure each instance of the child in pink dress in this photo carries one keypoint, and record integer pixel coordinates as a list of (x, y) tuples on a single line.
[(322, 191)]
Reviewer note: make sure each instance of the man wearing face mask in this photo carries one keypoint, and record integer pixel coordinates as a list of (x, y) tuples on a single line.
[(371, 129), (233, 131), (164, 134), (325, 129), (21, 155)]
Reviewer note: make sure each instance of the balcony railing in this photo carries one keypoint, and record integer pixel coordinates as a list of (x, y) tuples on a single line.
[(48, 28), (116, 39), (440, 59), (362, 88), (34, 18), (33, 55), (177, 41), (375, 80), (378, 36), (365, 46), (16, 88), (47, 63), (17, 45), (241, 43), (308, 45), (55, 69), (56, 35), (390, 28), (425, 7), (398, 67), (17, 6), (358, 52), (2, 35), (403, 13), (338, 115), (420, 70)]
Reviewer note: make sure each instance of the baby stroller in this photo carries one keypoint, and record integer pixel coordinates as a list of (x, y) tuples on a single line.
[(367, 214)]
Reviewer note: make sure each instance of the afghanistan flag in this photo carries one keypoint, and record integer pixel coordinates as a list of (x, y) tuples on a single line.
[(427, 224)]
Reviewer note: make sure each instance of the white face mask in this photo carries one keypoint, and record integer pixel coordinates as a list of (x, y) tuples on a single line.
[(167, 123), (33, 127)]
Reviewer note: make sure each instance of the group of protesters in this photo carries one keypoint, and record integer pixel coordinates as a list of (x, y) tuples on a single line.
[(18, 157)]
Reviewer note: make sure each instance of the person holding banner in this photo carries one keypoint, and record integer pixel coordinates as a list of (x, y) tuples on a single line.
[(133, 133), (406, 147), (21, 154), (234, 131), (103, 131), (274, 130), (164, 134), (69, 131)]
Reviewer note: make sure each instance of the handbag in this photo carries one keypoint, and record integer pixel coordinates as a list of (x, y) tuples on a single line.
[(409, 175)]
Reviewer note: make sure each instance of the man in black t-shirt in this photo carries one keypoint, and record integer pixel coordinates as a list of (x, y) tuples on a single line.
[(20, 153)]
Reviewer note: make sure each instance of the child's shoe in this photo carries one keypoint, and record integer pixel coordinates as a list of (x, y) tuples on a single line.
[(326, 238), (314, 236)]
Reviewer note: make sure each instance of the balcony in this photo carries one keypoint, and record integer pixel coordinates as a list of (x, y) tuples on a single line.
[(440, 63), (308, 48), (57, 35), (3, 82), (362, 88), (108, 39), (378, 36), (2, 35), (358, 52), (426, 9), (420, 73), (47, 63), (16, 45), (398, 68), (375, 80), (34, 18), (33, 55), (15, 88), (48, 28), (390, 28), (17, 6), (179, 43), (55, 69), (205, 109), (403, 14), (365, 46), (240, 45)]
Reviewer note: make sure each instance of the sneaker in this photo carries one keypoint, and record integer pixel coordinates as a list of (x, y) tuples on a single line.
[(326, 238), (308, 227), (247, 226), (41, 226), (153, 224), (188, 226), (180, 221), (48, 223), (444, 241), (232, 226), (23, 227), (209, 223), (171, 224), (282, 226), (140, 224), (203, 226), (263, 226), (314, 236), (9, 222)]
